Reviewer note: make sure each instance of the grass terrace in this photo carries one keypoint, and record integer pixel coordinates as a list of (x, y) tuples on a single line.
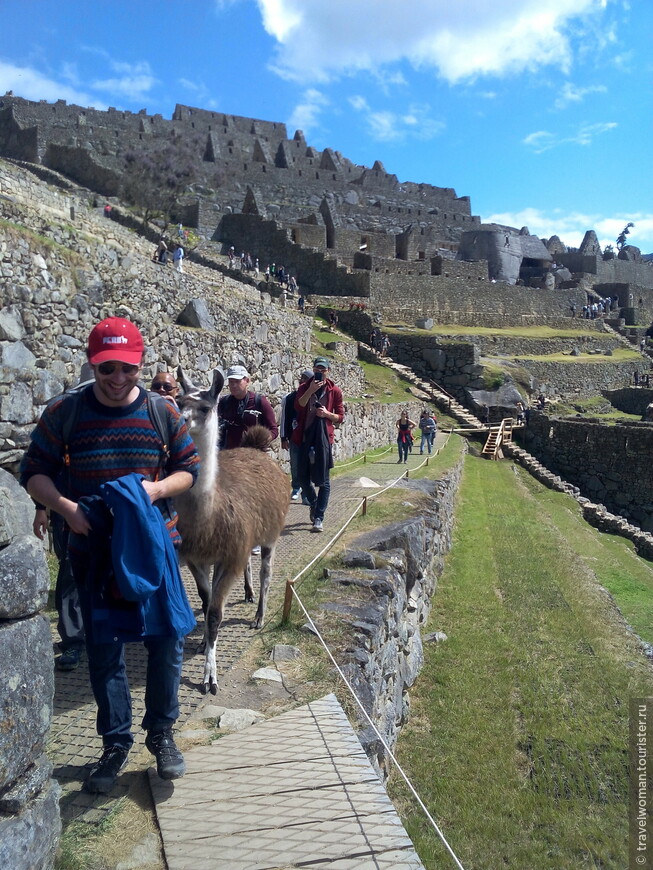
[(517, 740)]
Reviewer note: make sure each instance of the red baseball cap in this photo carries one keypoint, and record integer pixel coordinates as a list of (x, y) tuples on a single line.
[(115, 339)]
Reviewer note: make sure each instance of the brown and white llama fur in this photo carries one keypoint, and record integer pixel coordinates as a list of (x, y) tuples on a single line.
[(239, 500)]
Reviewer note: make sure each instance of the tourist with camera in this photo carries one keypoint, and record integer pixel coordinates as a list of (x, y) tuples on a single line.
[(319, 408)]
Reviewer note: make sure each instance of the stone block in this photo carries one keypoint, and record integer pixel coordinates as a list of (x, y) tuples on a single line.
[(29, 839), (26, 697), (196, 314), (15, 355), (16, 509), (24, 577), (11, 324)]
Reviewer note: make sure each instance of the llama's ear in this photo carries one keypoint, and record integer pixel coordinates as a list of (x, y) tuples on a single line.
[(186, 385), (218, 383)]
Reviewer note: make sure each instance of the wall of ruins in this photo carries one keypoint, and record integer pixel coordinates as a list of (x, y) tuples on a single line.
[(409, 296), (273, 244), (610, 464)]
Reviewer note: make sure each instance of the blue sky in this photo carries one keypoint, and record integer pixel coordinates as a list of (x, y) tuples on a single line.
[(538, 110)]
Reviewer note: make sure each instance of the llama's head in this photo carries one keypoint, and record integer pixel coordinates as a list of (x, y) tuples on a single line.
[(199, 407)]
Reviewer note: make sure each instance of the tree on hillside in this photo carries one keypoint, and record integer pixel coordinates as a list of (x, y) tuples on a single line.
[(621, 238), (155, 179)]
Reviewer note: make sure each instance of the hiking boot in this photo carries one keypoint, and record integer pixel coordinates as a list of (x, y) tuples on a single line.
[(317, 525), (69, 659), (256, 551), (305, 501), (169, 760), (311, 513), (294, 495), (102, 776)]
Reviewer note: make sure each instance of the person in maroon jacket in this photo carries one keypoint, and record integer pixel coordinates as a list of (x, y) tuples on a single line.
[(319, 408), (241, 409)]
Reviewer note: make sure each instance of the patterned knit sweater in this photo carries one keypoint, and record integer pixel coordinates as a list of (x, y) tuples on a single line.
[(106, 444)]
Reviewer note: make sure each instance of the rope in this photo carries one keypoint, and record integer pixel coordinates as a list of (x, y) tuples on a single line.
[(362, 458), (379, 735)]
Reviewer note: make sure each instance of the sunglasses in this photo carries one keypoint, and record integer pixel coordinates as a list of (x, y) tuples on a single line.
[(108, 368), (166, 387)]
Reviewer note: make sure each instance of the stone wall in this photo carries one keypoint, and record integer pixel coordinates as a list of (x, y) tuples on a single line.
[(382, 599), (630, 400), (609, 464), (448, 298), (580, 379), (29, 798)]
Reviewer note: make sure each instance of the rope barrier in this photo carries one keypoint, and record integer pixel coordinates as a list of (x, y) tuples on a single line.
[(379, 735), (363, 459), (291, 593)]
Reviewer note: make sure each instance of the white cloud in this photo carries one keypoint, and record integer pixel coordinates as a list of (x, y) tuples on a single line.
[(201, 95), (34, 85), (543, 140), (305, 116), (133, 81), (572, 94), (387, 126), (572, 226), (460, 40)]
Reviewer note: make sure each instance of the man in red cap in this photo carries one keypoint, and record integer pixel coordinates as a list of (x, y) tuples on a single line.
[(114, 436)]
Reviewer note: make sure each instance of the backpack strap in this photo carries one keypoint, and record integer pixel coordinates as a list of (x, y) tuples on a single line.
[(156, 409)]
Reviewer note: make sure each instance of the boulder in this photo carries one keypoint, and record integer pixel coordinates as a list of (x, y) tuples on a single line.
[(196, 314), (24, 578), (26, 697), (16, 509), (11, 324)]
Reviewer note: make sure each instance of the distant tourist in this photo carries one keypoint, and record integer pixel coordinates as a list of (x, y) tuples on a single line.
[(178, 258), (301, 304), (405, 428)]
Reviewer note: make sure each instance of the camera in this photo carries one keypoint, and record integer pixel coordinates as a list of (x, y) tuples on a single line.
[(318, 376)]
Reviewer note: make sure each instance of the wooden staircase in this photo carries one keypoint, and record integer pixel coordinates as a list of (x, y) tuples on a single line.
[(497, 436)]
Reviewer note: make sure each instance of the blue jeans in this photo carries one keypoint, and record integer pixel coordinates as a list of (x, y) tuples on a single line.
[(319, 499), (403, 446), (427, 438), (107, 672)]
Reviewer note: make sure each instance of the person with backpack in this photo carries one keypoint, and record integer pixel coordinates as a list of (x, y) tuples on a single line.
[(288, 424), (242, 408), (89, 451)]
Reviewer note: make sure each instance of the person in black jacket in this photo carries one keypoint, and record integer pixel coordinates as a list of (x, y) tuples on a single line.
[(288, 423)]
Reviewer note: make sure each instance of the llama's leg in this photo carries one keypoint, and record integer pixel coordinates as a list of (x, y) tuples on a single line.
[(202, 579), (219, 592), (267, 562), (249, 591)]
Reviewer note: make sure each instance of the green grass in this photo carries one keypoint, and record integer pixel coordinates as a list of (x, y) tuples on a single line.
[(619, 354), (518, 729), (521, 331)]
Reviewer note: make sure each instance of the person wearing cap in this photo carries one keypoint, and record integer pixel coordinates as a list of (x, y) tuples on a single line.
[(288, 423), (114, 438), (165, 385), (319, 408), (242, 408)]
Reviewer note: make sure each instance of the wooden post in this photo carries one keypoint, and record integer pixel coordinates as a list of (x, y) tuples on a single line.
[(287, 601), (365, 506), (364, 458)]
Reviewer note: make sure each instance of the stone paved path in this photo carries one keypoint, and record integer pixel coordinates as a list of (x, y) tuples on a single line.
[(294, 791), (73, 742)]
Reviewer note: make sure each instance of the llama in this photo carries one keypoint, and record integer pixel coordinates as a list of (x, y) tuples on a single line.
[(239, 500)]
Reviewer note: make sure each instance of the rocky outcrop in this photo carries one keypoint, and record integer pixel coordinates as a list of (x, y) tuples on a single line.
[(29, 798), (381, 599)]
